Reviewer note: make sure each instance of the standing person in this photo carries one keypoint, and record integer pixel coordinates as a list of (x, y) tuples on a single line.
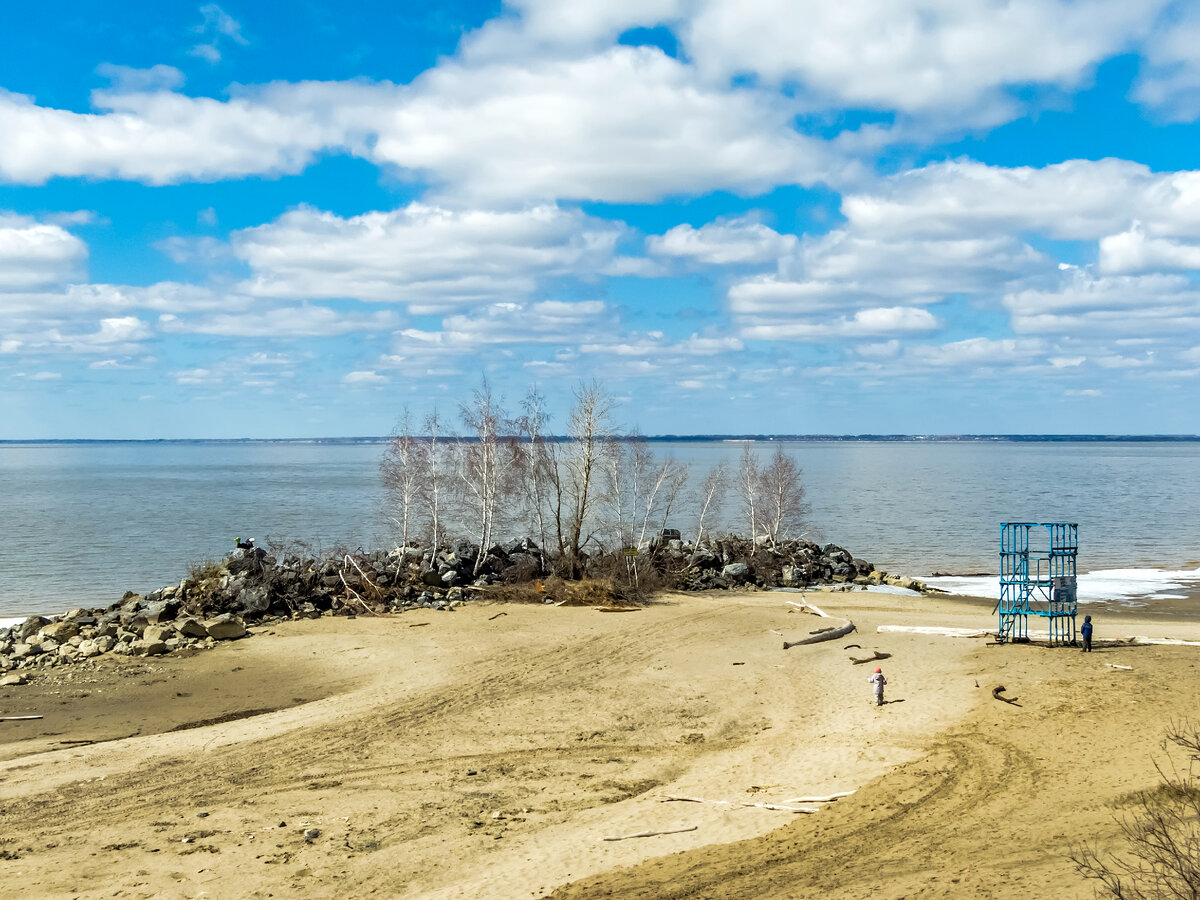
[(878, 681), (1085, 631)]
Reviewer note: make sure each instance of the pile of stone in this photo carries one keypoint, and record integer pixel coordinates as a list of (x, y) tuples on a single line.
[(735, 562), (134, 627)]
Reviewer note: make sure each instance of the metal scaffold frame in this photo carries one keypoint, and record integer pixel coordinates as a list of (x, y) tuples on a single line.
[(1038, 582)]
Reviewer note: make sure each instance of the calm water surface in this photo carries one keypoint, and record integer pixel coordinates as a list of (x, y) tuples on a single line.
[(82, 523)]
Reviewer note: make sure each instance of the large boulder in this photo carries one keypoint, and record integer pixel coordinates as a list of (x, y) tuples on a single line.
[(31, 626), (148, 648), (791, 576), (254, 600), (737, 572), (60, 631), (225, 628), (190, 627), (160, 611), (157, 632)]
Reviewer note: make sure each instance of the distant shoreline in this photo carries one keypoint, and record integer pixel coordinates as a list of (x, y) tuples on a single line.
[(684, 438)]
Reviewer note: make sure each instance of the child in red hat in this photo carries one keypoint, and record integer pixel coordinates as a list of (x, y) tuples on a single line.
[(878, 681)]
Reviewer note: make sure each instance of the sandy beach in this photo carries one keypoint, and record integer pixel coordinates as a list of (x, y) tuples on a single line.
[(490, 752)]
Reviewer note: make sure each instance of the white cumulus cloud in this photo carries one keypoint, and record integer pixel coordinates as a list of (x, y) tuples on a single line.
[(425, 256)]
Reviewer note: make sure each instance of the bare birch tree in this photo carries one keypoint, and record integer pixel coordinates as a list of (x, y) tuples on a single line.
[(541, 485), (780, 496), (436, 470), (663, 482), (401, 471), (748, 485), (589, 429), (617, 462), (485, 471), (712, 496)]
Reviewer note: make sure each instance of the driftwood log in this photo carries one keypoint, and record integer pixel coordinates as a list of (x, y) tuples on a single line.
[(825, 636), (869, 659), (1000, 689)]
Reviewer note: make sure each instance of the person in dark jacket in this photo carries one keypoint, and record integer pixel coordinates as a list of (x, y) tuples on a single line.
[(1085, 631)]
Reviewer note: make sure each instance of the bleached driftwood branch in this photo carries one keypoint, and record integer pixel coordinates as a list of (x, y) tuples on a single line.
[(827, 799), (805, 606), (775, 806), (781, 808), (933, 629)]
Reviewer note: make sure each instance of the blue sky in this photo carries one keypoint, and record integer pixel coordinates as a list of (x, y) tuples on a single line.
[(908, 216)]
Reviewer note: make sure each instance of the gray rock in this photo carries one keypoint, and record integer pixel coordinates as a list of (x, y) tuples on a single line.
[(148, 648), (254, 600), (157, 632), (32, 626), (13, 679), (21, 650), (190, 627), (162, 611), (60, 631), (225, 627), (739, 571), (88, 649)]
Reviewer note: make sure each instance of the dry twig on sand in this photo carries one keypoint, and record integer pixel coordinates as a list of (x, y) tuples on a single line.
[(639, 834), (858, 662)]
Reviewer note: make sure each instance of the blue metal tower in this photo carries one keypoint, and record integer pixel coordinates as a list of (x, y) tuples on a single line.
[(1038, 582)]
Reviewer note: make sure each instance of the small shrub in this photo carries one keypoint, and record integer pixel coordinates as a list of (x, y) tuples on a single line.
[(1162, 833)]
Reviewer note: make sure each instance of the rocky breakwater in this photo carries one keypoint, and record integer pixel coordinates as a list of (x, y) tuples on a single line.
[(136, 626), (217, 600), (736, 562)]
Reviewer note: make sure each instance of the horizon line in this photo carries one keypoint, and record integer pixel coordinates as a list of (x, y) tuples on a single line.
[(948, 437)]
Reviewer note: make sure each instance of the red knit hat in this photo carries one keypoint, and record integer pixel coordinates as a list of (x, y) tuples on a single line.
[(879, 670)]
